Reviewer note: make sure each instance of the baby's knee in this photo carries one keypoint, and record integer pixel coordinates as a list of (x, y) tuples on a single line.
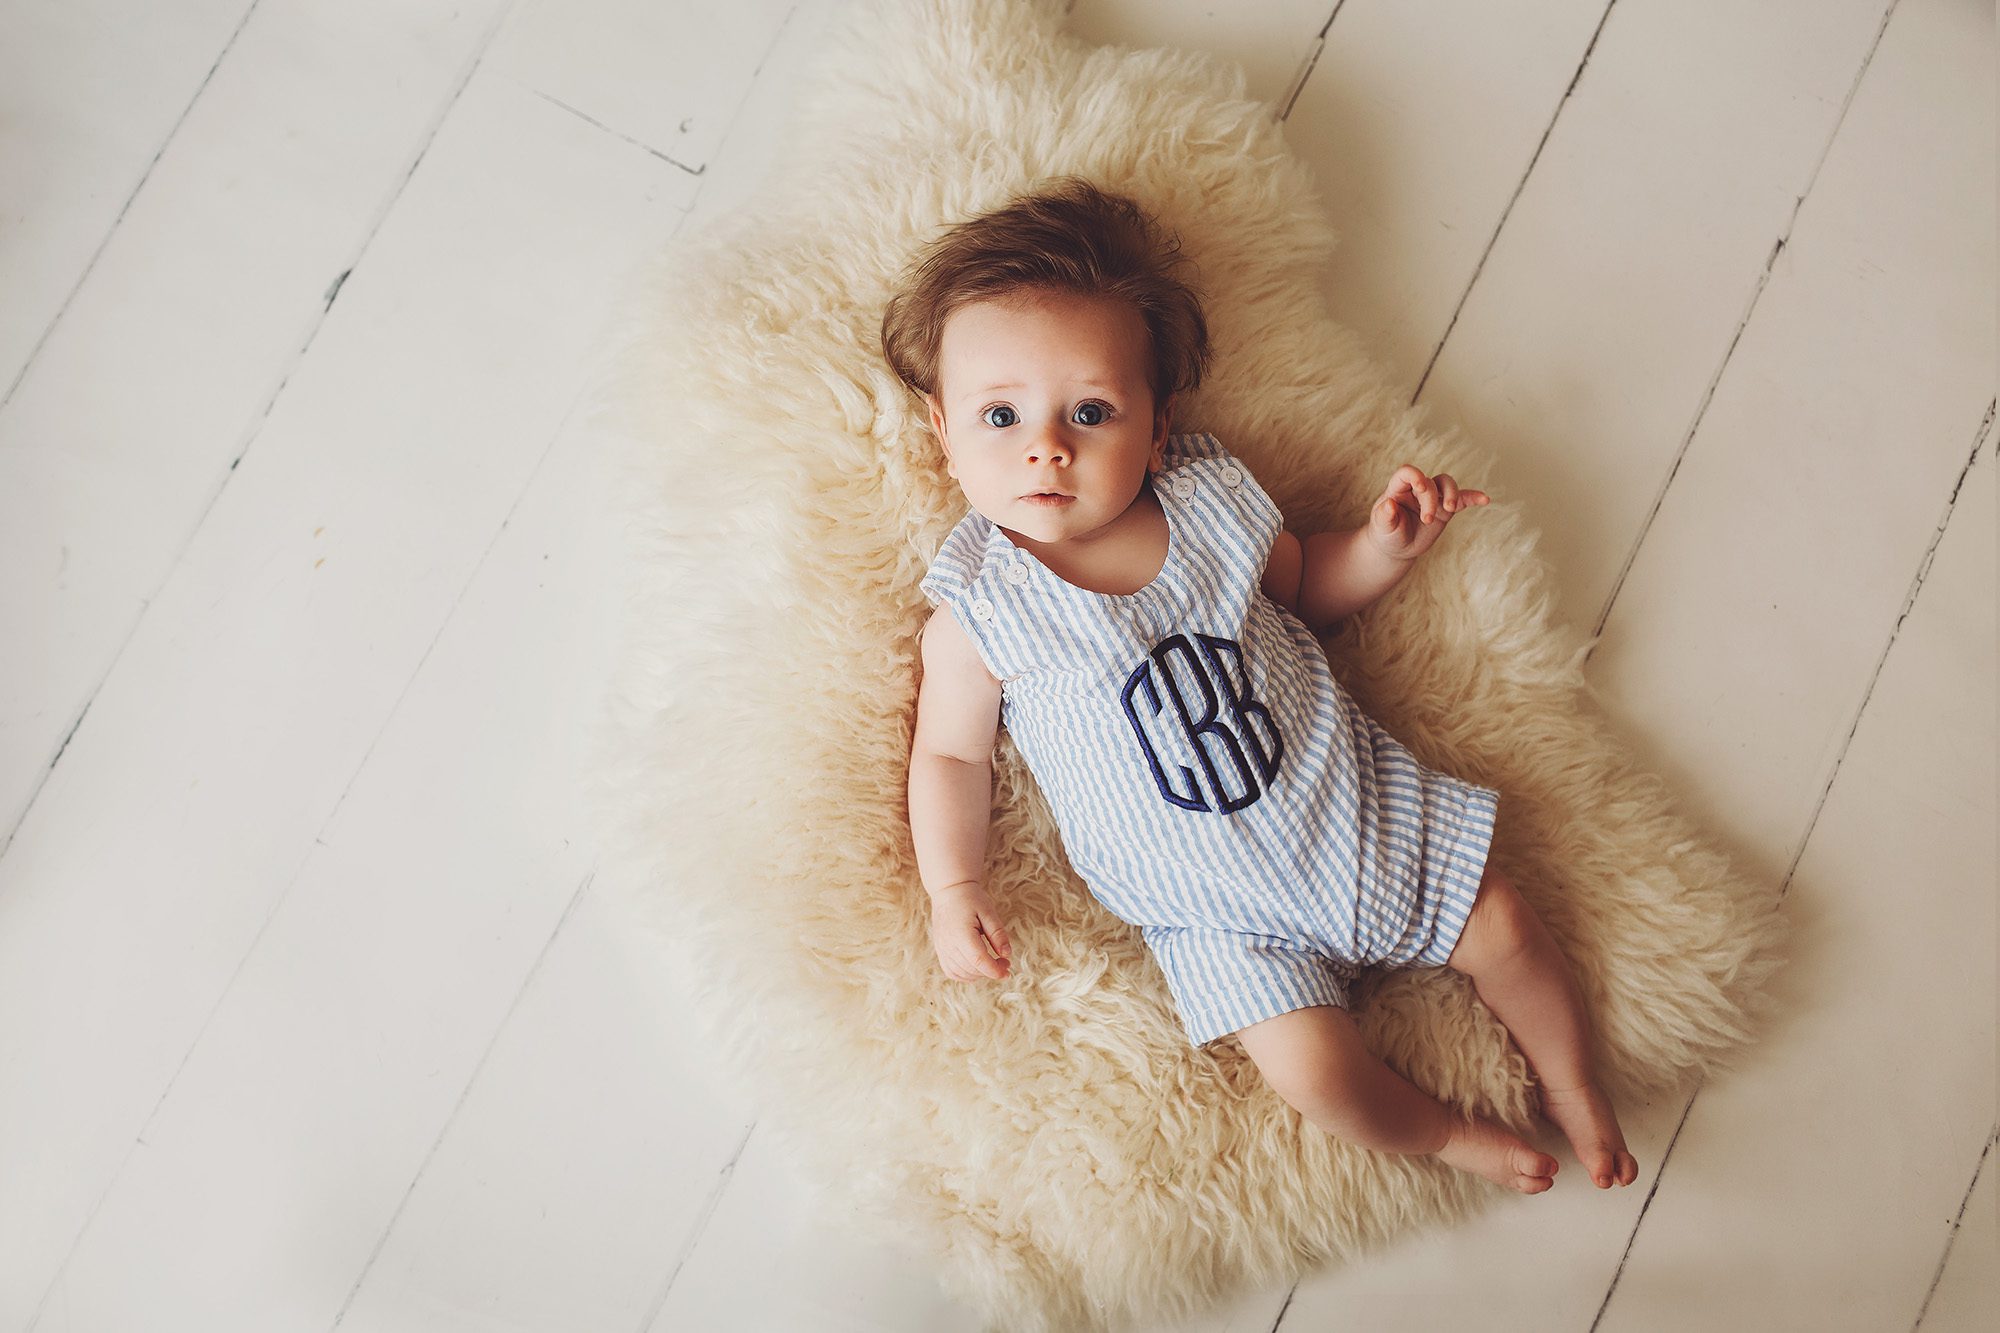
[(1500, 928), (1300, 1052), (1315, 1059)]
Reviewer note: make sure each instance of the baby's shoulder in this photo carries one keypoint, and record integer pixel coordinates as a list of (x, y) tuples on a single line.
[(959, 561), (949, 651)]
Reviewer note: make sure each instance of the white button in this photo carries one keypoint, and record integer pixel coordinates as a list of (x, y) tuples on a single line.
[(982, 610), (1232, 476), (1017, 572), (1183, 487)]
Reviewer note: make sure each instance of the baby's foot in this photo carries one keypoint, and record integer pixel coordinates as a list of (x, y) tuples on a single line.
[(1485, 1148), (1585, 1117)]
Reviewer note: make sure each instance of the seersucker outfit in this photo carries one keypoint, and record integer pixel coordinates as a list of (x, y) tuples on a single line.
[(1213, 783)]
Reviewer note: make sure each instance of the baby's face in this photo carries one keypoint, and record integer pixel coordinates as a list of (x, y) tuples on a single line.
[(1048, 396)]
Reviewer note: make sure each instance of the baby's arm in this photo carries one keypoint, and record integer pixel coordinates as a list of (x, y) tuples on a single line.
[(1312, 579), (951, 794), (1281, 571), (1342, 572), (1331, 575)]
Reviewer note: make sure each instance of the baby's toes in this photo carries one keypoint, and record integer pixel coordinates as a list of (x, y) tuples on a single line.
[(1613, 1166), (1534, 1171)]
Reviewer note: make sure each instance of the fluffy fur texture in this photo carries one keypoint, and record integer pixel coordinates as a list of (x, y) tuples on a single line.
[(1052, 1141)]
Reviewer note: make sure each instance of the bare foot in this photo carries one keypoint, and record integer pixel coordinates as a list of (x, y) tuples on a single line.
[(1585, 1117), (1487, 1149)]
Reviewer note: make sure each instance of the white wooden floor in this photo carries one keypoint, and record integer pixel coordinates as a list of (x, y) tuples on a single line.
[(309, 1017)]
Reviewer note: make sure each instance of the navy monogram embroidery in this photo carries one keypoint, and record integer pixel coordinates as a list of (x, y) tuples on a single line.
[(1202, 671)]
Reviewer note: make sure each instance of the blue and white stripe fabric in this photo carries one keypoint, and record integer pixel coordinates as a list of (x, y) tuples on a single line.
[(1213, 783)]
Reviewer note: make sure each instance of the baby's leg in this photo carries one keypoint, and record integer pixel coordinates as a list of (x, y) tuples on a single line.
[(1315, 1059), (1521, 975)]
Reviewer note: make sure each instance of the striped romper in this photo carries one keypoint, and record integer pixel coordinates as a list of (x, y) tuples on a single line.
[(1212, 782)]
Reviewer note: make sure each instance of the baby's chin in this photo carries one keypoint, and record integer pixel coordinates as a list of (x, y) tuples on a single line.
[(1042, 525)]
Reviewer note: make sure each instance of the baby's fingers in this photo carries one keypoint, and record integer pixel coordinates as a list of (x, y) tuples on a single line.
[(986, 963), (1409, 479), (1451, 498), (958, 965), (966, 957), (979, 966), (996, 933)]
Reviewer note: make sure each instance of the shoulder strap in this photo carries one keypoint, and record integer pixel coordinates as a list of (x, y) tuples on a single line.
[(957, 562), (959, 582), (1186, 448), (1250, 509)]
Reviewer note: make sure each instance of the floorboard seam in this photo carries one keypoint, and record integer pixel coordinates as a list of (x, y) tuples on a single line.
[(90, 264), (464, 1095), (616, 134), (1882, 661), (1957, 1221), (1520, 186), (692, 1240), (1308, 64)]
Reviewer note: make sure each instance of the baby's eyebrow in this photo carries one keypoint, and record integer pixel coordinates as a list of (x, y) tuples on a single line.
[(1098, 385)]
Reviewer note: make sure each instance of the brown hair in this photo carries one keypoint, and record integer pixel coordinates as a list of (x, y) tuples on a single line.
[(1068, 236)]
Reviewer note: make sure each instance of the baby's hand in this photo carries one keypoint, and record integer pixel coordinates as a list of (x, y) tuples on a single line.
[(1410, 516), (963, 920)]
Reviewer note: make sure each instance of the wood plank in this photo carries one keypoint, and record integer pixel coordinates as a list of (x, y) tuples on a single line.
[(256, 686), (1866, 1110), (104, 84), (668, 76), (813, 1275), (571, 1182), (163, 369)]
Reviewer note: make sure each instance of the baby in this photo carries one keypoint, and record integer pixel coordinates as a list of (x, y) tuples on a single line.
[(1130, 603)]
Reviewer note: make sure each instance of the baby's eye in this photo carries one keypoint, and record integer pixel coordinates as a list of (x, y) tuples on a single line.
[(1100, 409), (998, 407)]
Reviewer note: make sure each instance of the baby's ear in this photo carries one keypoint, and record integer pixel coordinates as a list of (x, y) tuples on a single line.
[(937, 429)]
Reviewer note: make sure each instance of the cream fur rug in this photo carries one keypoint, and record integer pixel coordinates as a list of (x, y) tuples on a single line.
[(1052, 1142)]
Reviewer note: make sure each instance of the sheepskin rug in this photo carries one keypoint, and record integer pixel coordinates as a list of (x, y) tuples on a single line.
[(1051, 1143)]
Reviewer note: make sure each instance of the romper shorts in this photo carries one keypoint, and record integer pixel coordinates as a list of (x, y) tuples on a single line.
[(1223, 980)]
